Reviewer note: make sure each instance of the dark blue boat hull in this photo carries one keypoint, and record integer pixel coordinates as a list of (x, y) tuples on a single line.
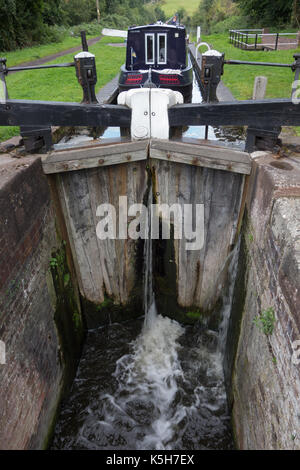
[(182, 83)]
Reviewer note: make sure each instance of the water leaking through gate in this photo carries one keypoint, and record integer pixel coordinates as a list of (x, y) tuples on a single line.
[(150, 384)]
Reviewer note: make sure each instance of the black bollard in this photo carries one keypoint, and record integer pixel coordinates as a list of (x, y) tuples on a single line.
[(87, 75), (211, 72)]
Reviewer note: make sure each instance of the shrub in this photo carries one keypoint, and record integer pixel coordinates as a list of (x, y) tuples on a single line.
[(233, 22), (52, 34), (91, 29), (265, 322)]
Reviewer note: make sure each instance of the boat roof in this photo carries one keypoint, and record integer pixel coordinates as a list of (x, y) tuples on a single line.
[(159, 25)]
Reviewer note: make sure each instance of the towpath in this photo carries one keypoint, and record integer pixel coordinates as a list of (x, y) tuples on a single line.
[(49, 58)]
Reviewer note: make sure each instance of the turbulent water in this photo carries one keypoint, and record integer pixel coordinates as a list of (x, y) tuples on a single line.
[(162, 390), (149, 384)]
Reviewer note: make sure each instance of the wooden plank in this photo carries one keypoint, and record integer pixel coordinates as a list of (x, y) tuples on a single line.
[(75, 198), (52, 113), (98, 150), (197, 149), (200, 161), (259, 113), (104, 267), (94, 157), (200, 274), (218, 158)]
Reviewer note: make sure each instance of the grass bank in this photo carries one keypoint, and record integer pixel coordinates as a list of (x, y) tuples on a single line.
[(240, 78), (172, 6), (61, 84), (37, 52)]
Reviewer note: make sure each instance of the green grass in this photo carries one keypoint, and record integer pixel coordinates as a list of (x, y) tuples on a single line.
[(172, 6), (33, 53), (240, 78), (61, 84)]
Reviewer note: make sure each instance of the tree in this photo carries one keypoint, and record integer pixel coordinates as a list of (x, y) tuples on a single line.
[(211, 12), (80, 11), (21, 22), (296, 14), (98, 10), (204, 15), (268, 13), (53, 12)]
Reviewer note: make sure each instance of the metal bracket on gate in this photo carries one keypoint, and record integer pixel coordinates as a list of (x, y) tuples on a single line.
[(150, 111), (36, 138), (262, 139)]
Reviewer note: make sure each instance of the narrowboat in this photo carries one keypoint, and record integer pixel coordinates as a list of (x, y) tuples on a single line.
[(156, 55)]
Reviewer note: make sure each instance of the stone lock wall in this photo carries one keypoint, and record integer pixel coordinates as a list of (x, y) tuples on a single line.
[(40, 315), (36, 322), (264, 380)]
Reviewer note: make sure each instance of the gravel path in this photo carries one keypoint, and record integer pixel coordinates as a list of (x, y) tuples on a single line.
[(49, 58)]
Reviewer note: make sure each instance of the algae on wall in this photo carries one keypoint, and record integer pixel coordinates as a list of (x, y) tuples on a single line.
[(68, 316)]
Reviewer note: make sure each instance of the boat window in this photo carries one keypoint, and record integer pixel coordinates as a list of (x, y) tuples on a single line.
[(162, 48), (149, 44)]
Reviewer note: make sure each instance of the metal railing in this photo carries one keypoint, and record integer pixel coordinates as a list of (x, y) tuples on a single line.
[(256, 39)]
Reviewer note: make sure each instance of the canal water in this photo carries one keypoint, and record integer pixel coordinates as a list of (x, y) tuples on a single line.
[(150, 384)]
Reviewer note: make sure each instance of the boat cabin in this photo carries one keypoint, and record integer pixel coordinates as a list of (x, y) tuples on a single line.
[(157, 55), (159, 46)]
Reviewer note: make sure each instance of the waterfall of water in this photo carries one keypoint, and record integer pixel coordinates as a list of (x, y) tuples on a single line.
[(228, 297), (148, 375), (163, 391), (149, 298)]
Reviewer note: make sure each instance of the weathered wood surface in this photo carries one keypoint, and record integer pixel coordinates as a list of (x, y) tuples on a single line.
[(259, 113), (51, 113), (102, 266), (94, 156), (210, 156), (200, 273), (201, 155), (259, 88), (108, 267)]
